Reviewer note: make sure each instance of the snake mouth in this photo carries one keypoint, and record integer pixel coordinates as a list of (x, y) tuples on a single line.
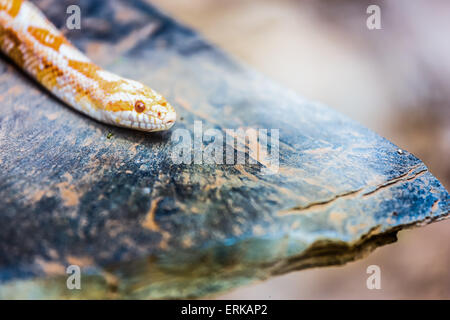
[(147, 127), (159, 124), (169, 119), (141, 122)]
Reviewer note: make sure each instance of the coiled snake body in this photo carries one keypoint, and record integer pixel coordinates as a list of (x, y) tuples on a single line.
[(40, 49)]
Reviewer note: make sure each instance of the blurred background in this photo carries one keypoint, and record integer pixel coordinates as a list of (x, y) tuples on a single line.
[(394, 81)]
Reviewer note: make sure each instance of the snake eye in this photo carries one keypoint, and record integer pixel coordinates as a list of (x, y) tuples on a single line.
[(139, 106), (159, 114)]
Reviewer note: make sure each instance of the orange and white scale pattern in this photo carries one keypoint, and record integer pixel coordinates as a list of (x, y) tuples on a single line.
[(39, 48)]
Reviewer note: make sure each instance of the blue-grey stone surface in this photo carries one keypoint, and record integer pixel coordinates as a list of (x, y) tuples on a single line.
[(112, 201)]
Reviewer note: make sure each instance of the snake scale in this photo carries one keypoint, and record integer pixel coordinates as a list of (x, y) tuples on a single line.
[(41, 50)]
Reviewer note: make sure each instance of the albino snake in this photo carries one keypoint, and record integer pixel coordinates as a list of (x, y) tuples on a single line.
[(40, 49)]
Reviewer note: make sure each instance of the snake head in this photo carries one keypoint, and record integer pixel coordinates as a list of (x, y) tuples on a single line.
[(152, 112), (134, 105)]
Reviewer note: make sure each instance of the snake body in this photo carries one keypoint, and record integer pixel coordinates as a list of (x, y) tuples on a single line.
[(41, 50)]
